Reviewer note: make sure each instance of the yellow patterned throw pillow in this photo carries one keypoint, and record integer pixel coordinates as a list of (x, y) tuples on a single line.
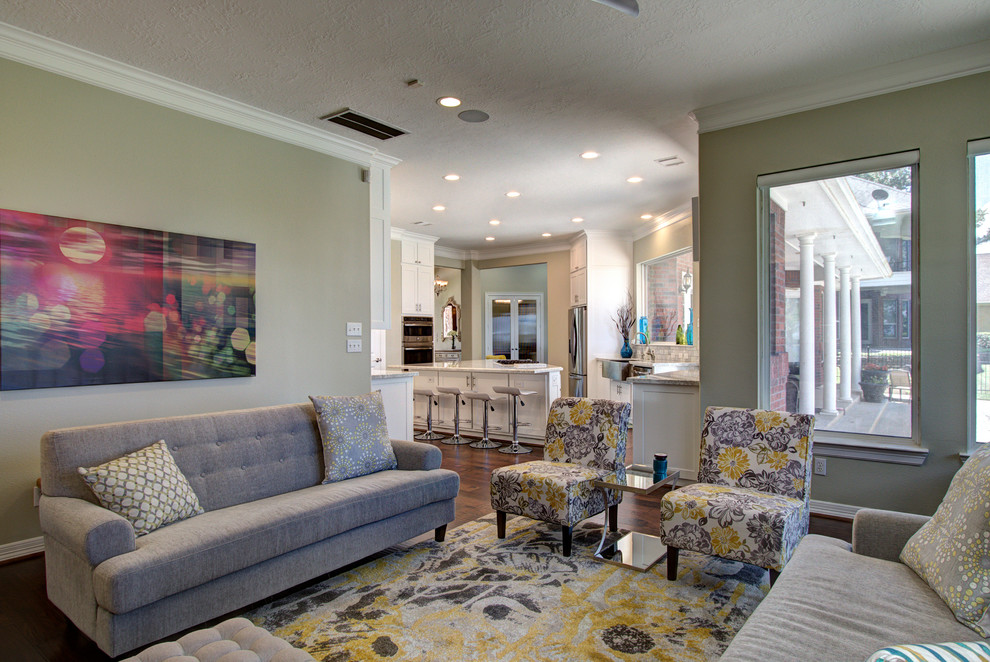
[(145, 487), (951, 552), (355, 436)]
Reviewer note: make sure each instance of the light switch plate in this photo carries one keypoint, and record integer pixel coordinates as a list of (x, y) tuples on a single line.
[(353, 345), (354, 328)]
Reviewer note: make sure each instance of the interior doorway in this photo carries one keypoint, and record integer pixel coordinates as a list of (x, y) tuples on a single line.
[(514, 326)]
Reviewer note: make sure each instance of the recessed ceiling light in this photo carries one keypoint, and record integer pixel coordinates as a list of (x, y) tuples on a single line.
[(577, 219), (451, 177), (489, 238), (494, 221), (590, 155), (449, 102), (438, 207), (547, 234), (635, 180), (473, 116), (513, 194), (646, 217)]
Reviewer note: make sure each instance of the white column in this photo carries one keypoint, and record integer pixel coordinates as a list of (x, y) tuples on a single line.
[(845, 338), (829, 358), (806, 396), (857, 334)]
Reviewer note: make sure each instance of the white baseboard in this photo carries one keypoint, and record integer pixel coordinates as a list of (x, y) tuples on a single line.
[(21, 548), (842, 510)]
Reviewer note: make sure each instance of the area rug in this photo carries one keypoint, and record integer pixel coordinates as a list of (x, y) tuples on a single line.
[(475, 597)]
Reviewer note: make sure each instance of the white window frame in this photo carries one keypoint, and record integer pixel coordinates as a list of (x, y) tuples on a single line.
[(974, 148), (642, 285), (899, 450)]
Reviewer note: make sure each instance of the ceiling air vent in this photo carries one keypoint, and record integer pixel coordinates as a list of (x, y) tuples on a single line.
[(366, 125)]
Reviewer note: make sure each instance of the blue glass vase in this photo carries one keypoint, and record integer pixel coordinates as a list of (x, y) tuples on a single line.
[(626, 351)]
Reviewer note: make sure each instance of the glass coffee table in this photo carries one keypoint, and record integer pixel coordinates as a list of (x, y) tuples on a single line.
[(639, 551)]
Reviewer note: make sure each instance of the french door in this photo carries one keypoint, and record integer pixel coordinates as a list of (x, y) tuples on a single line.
[(514, 325)]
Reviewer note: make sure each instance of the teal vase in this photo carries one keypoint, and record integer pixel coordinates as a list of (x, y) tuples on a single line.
[(626, 351)]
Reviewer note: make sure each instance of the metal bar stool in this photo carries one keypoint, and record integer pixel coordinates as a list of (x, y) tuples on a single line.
[(429, 435), (486, 403), (457, 439), (516, 395)]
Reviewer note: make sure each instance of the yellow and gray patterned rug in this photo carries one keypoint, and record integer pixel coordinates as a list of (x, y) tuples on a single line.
[(475, 597)]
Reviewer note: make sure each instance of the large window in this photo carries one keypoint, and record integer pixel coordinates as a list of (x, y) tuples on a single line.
[(980, 164), (839, 296), (666, 291)]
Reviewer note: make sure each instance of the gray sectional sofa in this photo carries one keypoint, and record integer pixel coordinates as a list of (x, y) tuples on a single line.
[(841, 602), (269, 522)]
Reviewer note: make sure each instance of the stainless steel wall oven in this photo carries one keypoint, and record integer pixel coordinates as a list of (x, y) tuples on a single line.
[(417, 340)]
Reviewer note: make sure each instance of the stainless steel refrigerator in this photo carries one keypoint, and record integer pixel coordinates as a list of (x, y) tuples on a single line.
[(577, 349)]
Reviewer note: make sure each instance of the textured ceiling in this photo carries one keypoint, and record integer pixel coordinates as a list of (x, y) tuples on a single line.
[(557, 77)]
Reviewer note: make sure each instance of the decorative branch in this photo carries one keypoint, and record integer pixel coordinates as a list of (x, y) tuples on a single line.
[(624, 318)]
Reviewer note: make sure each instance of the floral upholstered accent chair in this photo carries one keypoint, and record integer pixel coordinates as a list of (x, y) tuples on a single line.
[(751, 501), (586, 441)]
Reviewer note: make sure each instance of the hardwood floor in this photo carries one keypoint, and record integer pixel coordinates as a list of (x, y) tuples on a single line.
[(33, 630)]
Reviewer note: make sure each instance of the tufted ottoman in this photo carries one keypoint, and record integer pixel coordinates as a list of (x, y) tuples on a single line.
[(234, 640)]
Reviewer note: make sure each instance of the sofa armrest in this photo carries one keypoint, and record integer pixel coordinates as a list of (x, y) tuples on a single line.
[(415, 455), (882, 534), (91, 532)]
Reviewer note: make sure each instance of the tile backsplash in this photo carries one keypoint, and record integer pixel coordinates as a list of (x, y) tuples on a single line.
[(668, 353)]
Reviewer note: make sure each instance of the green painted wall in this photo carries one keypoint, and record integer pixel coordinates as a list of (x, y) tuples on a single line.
[(937, 119), (71, 149)]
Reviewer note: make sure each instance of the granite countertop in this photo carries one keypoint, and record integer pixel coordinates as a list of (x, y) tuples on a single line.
[(481, 365), (386, 373), (674, 378)]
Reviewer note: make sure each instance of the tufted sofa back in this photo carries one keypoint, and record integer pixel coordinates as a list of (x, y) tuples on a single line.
[(228, 457)]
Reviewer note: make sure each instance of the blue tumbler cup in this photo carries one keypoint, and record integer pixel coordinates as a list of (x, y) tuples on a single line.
[(659, 467)]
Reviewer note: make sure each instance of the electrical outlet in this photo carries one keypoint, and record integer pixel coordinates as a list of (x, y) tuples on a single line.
[(819, 466), (354, 328), (353, 345)]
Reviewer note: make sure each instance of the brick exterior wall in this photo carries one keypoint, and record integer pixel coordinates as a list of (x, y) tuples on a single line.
[(778, 346), (663, 290)]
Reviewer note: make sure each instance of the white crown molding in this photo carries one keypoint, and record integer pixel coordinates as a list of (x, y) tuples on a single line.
[(451, 253), (496, 253), (400, 234), (21, 548), (924, 70), (676, 215), (60, 58)]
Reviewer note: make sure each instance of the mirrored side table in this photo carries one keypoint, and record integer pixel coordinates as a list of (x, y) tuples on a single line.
[(639, 551)]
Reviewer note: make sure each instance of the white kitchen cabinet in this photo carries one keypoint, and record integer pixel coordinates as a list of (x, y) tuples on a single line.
[(498, 420), (425, 379), (379, 178), (417, 290), (461, 380), (579, 287), (620, 391), (397, 396), (667, 419), (579, 253), (417, 251), (535, 410)]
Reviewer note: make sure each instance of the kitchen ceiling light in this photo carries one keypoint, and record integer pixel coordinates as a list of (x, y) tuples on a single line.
[(438, 207), (451, 177), (489, 238), (547, 234), (449, 102), (494, 221), (513, 194), (590, 155), (646, 217), (577, 219), (635, 180)]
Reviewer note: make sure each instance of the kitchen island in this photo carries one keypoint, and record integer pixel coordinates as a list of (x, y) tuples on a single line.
[(667, 419), (396, 387), (481, 376)]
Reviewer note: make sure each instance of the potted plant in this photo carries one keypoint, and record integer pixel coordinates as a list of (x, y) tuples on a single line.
[(874, 381), (624, 320)]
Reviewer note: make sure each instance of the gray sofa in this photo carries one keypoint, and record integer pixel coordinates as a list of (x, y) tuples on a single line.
[(269, 523), (841, 602)]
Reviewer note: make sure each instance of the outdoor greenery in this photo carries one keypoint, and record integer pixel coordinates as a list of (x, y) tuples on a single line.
[(899, 178)]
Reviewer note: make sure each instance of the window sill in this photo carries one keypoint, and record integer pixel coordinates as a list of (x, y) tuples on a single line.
[(871, 452)]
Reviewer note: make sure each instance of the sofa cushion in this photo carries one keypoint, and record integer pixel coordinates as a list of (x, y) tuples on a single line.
[(830, 603), (950, 551), (355, 437), (219, 542), (145, 487), (975, 651)]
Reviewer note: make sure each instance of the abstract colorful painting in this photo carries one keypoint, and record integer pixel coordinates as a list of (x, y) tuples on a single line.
[(85, 303)]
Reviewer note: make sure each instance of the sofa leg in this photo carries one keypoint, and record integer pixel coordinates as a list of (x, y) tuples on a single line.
[(500, 522), (773, 575), (613, 518), (567, 534), (672, 553), (440, 533)]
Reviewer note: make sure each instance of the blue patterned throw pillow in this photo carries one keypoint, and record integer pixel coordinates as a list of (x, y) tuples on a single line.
[(355, 437)]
